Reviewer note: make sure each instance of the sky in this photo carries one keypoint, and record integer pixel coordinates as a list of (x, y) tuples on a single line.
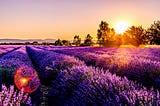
[(43, 19)]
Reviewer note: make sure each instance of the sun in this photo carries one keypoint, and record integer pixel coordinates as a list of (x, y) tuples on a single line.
[(121, 27)]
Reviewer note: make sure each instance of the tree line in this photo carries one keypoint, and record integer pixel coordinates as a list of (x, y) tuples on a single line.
[(88, 41), (106, 36), (135, 35)]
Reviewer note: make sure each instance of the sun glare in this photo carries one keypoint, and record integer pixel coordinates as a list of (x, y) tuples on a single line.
[(24, 81), (121, 27)]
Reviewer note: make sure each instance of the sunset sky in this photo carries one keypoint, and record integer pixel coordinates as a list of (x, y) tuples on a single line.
[(32, 19)]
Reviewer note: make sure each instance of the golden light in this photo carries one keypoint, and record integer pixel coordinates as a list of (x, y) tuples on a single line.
[(121, 27), (24, 81)]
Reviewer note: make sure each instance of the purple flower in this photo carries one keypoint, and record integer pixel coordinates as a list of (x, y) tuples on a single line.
[(12, 98)]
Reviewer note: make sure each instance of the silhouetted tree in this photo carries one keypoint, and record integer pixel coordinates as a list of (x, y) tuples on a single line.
[(88, 40), (27, 43), (77, 40), (35, 43), (136, 35), (153, 33), (102, 33), (58, 43), (45, 43), (105, 34), (66, 43), (112, 34)]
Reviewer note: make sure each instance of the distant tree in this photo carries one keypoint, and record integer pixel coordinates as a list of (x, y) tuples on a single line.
[(35, 43), (45, 43), (112, 34), (77, 40), (27, 43), (88, 40), (58, 43), (105, 34), (100, 37), (153, 33), (136, 35), (66, 43), (102, 33)]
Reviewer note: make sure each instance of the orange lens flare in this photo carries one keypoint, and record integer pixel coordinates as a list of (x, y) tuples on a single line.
[(26, 79)]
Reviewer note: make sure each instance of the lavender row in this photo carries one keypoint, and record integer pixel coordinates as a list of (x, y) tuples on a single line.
[(42, 61), (144, 53), (139, 68), (48, 65), (87, 48), (89, 86), (150, 53), (74, 83), (10, 63), (123, 61), (6, 49)]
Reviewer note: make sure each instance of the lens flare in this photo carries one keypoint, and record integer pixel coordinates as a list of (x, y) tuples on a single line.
[(26, 79)]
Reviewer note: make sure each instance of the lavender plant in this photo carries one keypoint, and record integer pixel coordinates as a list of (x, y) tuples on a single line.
[(9, 97), (83, 85), (86, 75), (137, 64), (13, 61), (6, 49), (48, 64)]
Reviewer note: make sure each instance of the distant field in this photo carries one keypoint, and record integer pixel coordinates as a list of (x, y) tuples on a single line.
[(87, 75)]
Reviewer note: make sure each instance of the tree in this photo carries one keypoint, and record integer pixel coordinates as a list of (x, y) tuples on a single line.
[(112, 34), (65, 43), (45, 43), (27, 43), (153, 33), (105, 34), (102, 33), (58, 43), (88, 40), (77, 40), (35, 43), (136, 35)]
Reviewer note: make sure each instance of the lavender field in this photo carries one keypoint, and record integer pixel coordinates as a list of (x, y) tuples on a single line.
[(80, 76)]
